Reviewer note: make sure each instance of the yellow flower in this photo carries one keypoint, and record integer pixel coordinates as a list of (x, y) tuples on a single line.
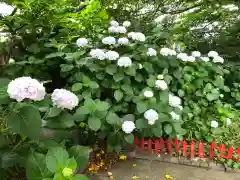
[(97, 155), (110, 174), (134, 165), (90, 169), (135, 177), (102, 152), (122, 157), (82, 124), (167, 176), (67, 172), (110, 177)]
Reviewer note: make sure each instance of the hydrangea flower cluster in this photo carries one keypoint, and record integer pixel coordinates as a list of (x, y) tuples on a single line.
[(151, 115), (137, 36), (151, 52), (174, 101), (148, 94), (124, 62), (82, 42), (161, 84), (64, 99), (128, 127), (123, 41), (214, 124), (167, 52), (26, 88), (98, 54), (115, 28), (109, 40), (111, 55)]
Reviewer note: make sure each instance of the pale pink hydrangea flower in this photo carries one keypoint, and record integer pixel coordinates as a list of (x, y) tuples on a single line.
[(64, 99), (26, 88)]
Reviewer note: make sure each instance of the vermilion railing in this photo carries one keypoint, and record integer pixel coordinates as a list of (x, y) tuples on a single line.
[(192, 149)]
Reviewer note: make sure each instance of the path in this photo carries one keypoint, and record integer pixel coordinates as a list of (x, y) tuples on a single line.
[(155, 170)]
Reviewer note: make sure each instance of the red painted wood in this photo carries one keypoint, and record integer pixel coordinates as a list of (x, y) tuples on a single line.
[(222, 151), (200, 150), (169, 146), (157, 147), (150, 145), (142, 143), (213, 146), (192, 149), (230, 153), (184, 148)]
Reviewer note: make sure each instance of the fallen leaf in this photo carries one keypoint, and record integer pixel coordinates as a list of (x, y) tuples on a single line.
[(134, 165), (122, 157), (110, 174), (167, 176), (135, 177)]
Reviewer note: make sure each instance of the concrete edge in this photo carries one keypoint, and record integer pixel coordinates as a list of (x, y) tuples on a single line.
[(169, 158)]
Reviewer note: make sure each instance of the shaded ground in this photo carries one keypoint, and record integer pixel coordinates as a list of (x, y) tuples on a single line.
[(154, 170)]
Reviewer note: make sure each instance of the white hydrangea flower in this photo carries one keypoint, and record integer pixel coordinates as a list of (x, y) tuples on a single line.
[(165, 51), (114, 23), (140, 66), (123, 41), (111, 55), (122, 30), (148, 94), (128, 127), (81, 42), (182, 56), (160, 76), (172, 53), (205, 59), (191, 59), (131, 34), (11, 61), (212, 54), (218, 59), (124, 62), (64, 99), (113, 29), (196, 54), (137, 36), (151, 52), (161, 84), (109, 40), (151, 115), (228, 121), (174, 101), (175, 116), (26, 88), (214, 124), (126, 23), (98, 54)]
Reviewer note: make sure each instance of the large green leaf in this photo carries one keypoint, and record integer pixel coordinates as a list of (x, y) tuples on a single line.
[(168, 128), (111, 69), (36, 168), (118, 95), (81, 154), (141, 107), (94, 123), (102, 106), (64, 120), (77, 87), (129, 138), (79, 177), (112, 118), (141, 124), (27, 121), (56, 158), (53, 112)]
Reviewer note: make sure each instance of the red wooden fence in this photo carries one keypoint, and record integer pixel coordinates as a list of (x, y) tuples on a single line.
[(191, 150)]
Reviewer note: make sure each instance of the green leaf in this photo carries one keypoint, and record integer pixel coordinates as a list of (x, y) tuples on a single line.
[(79, 177), (141, 107), (81, 154), (27, 121), (36, 168), (8, 159), (93, 85), (118, 95), (179, 130), (129, 138), (112, 118), (94, 123), (127, 88), (129, 117), (102, 106), (53, 112), (59, 176), (76, 87), (66, 67), (141, 123), (157, 131), (111, 69), (151, 82), (54, 54), (72, 164), (56, 158), (118, 77), (83, 110), (164, 96), (64, 120), (131, 71), (168, 129), (212, 96)]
